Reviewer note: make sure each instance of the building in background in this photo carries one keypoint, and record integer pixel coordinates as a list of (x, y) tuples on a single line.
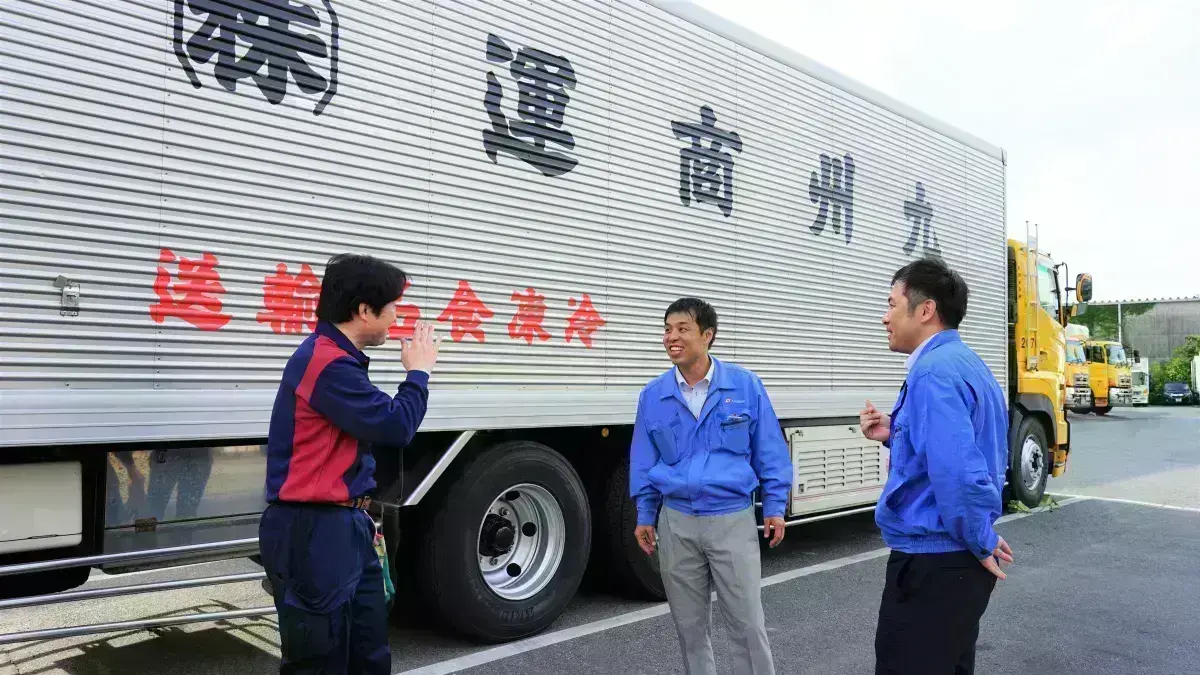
[(1155, 328)]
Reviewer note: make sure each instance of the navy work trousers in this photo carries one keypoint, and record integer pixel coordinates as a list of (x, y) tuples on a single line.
[(328, 586)]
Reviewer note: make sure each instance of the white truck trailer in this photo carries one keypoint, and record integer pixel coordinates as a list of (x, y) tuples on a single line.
[(551, 174), (1194, 378), (1141, 380)]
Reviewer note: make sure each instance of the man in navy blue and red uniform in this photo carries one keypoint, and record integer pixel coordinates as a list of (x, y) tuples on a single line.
[(316, 538)]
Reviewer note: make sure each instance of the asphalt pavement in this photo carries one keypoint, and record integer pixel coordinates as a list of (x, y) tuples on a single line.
[(1100, 586)]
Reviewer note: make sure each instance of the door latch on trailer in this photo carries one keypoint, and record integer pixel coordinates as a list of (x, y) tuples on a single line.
[(69, 304)]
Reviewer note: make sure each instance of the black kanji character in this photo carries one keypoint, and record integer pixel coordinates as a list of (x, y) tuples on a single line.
[(834, 188), (920, 212), (542, 83), (706, 173), (266, 32)]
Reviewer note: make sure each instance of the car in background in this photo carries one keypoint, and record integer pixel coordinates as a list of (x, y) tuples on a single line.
[(1178, 393)]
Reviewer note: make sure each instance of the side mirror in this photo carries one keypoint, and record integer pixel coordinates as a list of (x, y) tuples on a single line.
[(1079, 309), (1083, 288)]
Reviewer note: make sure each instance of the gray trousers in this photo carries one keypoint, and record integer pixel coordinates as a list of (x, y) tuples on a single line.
[(700, 554)]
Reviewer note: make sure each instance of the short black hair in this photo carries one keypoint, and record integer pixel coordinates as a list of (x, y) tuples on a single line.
[(702, 312), (932, 279), (352, 279)]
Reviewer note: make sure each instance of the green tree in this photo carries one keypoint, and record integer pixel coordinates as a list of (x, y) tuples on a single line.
[(1189, 349), (1178, 369), (1102, 321)]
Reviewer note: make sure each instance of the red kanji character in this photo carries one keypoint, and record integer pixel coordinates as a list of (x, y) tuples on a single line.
[(531, 312), (465, 314), (291, 301), (194, 297), (407, 317), (584, 321)]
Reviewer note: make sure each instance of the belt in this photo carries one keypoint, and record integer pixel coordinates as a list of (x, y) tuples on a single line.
[(356, 503)]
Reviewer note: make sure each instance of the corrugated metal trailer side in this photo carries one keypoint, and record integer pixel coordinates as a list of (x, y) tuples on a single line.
[(137, 164)]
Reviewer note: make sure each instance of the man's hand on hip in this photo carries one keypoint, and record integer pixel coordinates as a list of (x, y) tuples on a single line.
[(646, 538), (774, 528), (420, 351), (875, 425), (1002, 555)]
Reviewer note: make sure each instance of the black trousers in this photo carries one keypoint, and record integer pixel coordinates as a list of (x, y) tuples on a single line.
[(929, 614), (328, 584)]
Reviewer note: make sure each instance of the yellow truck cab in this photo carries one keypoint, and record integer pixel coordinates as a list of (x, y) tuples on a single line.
[(1039, 433), (1111, 376), (1078, 379)]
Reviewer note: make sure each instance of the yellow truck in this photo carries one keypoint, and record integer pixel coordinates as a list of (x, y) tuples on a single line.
[(1078, 379), (1111, 375), (1039, 310)]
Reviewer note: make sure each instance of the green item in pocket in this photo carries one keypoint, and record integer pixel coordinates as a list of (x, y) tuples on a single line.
[(389, 590)]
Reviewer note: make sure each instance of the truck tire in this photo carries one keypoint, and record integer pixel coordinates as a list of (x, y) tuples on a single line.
[(631, 571), (1102, 411), (509, 543), (1029, 462)]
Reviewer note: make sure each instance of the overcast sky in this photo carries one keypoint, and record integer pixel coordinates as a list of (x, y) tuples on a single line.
[(1096, 102)]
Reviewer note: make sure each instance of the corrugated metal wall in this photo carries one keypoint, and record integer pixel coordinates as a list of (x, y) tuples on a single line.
[(135, 165), (1157, 333)]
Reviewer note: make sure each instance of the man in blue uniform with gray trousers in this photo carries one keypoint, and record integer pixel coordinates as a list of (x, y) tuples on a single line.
[(947, 436), (705, 437)]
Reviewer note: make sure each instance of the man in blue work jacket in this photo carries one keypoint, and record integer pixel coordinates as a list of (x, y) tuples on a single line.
[(705, 437), (315, 537), (947, 436)]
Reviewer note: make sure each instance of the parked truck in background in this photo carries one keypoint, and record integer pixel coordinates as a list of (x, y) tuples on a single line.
[(1140, 371), (1195, 377), (1078, 380), (1111, 378), (543, 171)]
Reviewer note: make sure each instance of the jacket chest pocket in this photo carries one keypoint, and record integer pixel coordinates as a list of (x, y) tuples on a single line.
[(734, 432), (664, 436), (900, 445)]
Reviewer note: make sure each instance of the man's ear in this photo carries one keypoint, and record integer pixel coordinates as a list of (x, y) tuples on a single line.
[(364, 311), (928, 310)]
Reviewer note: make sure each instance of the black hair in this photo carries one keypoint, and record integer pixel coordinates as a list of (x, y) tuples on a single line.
[(702, 312), (352, 279), (932, 279)]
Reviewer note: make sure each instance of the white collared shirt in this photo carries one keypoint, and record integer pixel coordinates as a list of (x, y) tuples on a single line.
[(912, 358), (695, 396)]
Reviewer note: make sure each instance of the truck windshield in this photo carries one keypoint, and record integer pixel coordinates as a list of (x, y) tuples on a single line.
[(1139, 378), (1116, 355), (1075, 353)]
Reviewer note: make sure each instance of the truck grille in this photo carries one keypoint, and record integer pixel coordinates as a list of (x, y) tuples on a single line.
[(1125, 381), (1081, 379)]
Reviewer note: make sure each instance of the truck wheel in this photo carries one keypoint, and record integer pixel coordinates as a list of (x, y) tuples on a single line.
[(631, 571), (1029, 463), (1102, 411), (509, 544)]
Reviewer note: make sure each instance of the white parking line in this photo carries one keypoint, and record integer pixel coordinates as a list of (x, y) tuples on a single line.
[(547, 639), (1171, 507)]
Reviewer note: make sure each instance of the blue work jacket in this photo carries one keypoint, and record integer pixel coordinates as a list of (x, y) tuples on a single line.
[(948, 447), (708, 466)]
